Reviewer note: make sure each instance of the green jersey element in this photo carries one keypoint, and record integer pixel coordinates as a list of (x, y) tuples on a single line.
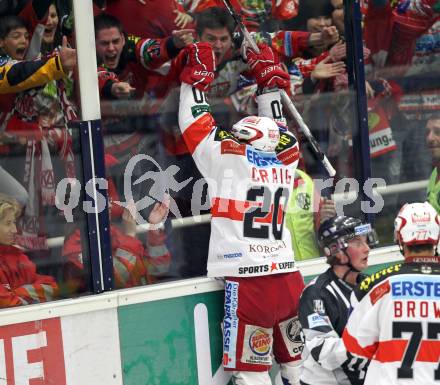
[(433, 193), (300, 219)]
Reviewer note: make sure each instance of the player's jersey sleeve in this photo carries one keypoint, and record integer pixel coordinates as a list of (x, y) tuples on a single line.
[(307, 66), (362, 333), (197, 126), (322, 342), (287, 44), (19, 76), (290, 44), (106, 79)]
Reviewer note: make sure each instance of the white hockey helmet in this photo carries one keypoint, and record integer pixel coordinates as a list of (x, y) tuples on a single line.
[(417, 224), (260, 132)]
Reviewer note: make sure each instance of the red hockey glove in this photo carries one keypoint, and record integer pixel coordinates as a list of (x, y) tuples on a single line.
[(200, 66), (266, 68)]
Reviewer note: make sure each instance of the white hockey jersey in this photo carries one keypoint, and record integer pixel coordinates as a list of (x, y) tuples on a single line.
[(249, 190), (396, 323)]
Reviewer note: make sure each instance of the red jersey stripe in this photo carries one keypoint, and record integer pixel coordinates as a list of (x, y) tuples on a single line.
[(198, 131), (393, 350), (353, 346)]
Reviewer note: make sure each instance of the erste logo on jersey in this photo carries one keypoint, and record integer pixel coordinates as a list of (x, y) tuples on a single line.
[(426, 287), (318, 320), (261, 159)]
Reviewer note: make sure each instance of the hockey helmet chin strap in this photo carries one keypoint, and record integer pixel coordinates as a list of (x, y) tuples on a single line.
[(351, 268)]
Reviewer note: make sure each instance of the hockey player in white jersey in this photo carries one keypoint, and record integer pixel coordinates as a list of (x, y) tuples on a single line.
[(250, 170), (396, 317)]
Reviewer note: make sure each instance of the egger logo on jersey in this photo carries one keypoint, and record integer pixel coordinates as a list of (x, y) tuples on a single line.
[(378, 292), (232, 147), (32, 353)]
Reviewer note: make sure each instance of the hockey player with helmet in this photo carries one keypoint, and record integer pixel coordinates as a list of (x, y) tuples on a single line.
[(250, 172), (395, 317), (325, 302)]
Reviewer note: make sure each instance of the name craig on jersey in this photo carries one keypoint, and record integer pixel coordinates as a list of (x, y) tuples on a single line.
[(267, 168), (275, 175)]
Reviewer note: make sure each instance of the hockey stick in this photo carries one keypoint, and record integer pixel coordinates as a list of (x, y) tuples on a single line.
[(284, 97)]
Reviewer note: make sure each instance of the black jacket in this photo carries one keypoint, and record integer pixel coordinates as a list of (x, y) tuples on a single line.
[(323, 312)]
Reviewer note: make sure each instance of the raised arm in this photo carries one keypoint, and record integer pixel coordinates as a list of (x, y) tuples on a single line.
[(194, 110), (271, 77), (23, 75)]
